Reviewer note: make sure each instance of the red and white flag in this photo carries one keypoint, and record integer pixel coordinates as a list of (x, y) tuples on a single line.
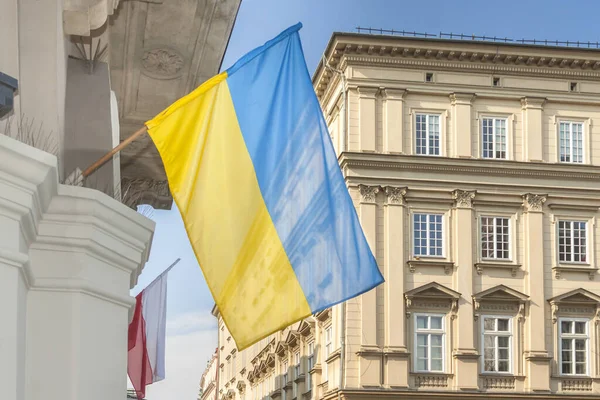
[(147, 333)]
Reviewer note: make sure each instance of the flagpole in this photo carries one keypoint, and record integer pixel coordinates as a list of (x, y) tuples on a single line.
[(164, 272), (102, 160)]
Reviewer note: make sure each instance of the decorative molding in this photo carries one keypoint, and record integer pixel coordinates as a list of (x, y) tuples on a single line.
[(80, 17), (574, 302), (392, 94), (480, 266), (136, 191), (498, 382), (463, 198), (534, 202), (576, 385), (536, 103), (558, 270), (162, 63), (414, 264), (366, 92), (395, 195), (431, 381), (461, 98), (368, 193)]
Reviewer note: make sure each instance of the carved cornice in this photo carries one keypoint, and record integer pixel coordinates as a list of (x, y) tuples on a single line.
[(463, 198), (367, 92), (462, 57), (395, 195), (579, 301), (534, 202), (475, 167), (368, 194)]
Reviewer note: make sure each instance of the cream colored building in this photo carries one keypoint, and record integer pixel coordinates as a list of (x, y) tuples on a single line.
[(475, 170)]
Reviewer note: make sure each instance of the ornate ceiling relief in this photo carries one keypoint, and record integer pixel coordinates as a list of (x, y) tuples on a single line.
[(162, 63)]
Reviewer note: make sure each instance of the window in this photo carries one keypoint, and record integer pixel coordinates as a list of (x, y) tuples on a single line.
[(496, 82), (429, 343), (311, 364), (572, 241), (428, 235), (328, 349), (493, 141), (284, 379), (495, 241), (296, 365), (496, 344), (428, 134), (571, 142), (574, 346), (429, 77), (573, 86)]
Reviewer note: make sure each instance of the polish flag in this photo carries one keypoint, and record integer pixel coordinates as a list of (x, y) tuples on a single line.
[(146, 348)]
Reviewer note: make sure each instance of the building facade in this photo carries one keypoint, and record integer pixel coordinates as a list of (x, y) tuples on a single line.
[(208, 382), (475, 171)]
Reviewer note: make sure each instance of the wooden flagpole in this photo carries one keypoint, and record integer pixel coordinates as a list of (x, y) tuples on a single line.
[(92, 168)]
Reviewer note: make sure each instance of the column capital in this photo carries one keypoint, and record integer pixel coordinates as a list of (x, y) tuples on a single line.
[(533, 202), (367, 92), (395, 195), (368, 194), (463, 198), (462, 98), (533, 103), (392, 94)]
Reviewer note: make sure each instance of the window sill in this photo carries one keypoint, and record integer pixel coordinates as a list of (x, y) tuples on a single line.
[(488, 264), (558, 270), (414, 264)]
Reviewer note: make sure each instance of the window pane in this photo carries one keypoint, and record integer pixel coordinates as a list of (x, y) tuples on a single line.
[(503, 366), (489, 324), (422, 340), (566, 344), (421, 322), (503, 325), (580, 344), (422, 365), (503, 354), (566, 326), (580, 368), (436, 365), (579, 327), (436, 353), (436, 322), (436, 340), (566, 367), (489, 366)]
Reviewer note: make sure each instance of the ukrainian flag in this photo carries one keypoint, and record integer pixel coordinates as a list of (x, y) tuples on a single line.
[(253, 172)]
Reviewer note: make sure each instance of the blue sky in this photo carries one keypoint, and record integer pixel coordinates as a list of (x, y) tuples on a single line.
[(191, 329)]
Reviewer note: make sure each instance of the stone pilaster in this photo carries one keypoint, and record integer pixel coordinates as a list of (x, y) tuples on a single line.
[(533, 128), (393, 125), (396, 362), (369, 353), (367, 98), (537, 367), (465, 354), (461, 124)]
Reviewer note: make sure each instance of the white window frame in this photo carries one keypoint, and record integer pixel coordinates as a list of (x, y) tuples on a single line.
[(586, 223), (429, 331), (284, 378), (441, 124), (510, 238), (414, 236), (328, 350), (507, 122), (310, 363), (574, 336), (497, 333), (570, 124)]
